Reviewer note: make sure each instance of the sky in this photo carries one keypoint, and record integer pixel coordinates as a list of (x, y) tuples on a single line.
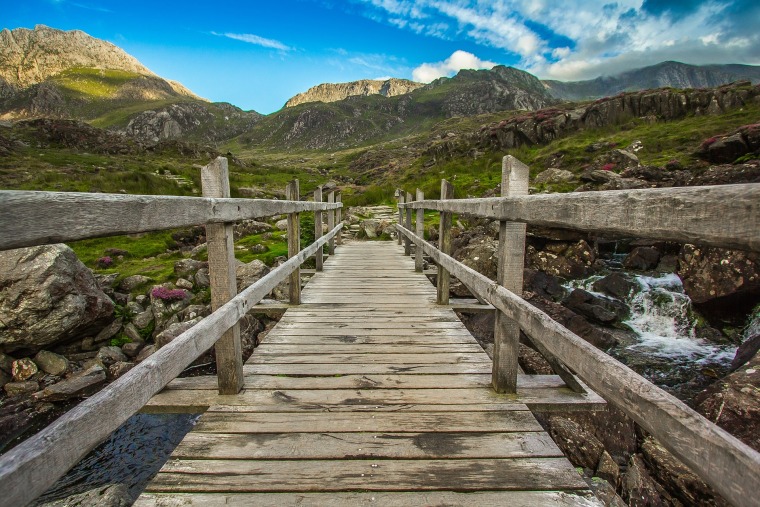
[(256, 54)]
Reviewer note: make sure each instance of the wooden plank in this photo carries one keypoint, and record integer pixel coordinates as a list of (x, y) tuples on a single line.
[(420, 227), (338, 218), (318, 256), (397, 339), (398, 358), (292, 193), (400, 195), (444, 243), (725, 216), (706, 448), (368, 381), (506, 335), (374, 325), (408, 224), (331, 221), (363, 368), (366, 475), (409, 332), (25, 217), (350, 348), (364, 445), (30, 468), (386, 499)]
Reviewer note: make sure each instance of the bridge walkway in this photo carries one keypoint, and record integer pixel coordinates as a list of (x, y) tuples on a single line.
[(369, 393)]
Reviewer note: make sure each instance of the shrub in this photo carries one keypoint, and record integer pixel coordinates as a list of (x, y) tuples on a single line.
[(707, 142), (608, 167), (165, 294)]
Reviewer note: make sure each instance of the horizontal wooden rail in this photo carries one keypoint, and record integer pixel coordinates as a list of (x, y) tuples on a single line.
[(728, 465), (38, 218), (725, 215), (29, 469)]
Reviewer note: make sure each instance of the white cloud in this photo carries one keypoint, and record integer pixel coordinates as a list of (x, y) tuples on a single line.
[(458, 60), (255, 39)]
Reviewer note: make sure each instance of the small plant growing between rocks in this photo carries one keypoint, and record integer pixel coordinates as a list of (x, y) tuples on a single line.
[(608, 167), (104, 262), (165, 294)]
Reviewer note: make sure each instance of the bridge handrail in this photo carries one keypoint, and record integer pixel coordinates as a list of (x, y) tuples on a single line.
[(721, 215), (703, 446), (28, 218)]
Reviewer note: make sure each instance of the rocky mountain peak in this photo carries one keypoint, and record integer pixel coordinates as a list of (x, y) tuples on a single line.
[(333, 92), (29, 57)]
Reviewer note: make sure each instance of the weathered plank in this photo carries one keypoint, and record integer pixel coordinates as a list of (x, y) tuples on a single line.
[(420, 228), (366, 474), (386, 499), (25, 217), (399, 358), (444, 242), (319, 255), (707, 449), (724, 216), (364, 368), (349, 348), (292, 193)]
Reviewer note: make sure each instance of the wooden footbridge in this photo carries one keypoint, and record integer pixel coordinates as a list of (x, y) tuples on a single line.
[(369, 390)]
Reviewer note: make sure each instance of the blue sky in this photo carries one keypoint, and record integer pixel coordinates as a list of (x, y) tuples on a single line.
[(257, 54)]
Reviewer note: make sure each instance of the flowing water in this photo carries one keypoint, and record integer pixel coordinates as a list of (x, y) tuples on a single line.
[(132, 455)]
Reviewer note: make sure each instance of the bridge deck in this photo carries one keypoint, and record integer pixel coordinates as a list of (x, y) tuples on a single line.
[(368, 393)]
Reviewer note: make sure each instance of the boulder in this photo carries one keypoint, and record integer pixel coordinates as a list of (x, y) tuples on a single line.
[(608, 469), (581, 447), (617, 285), (370, 228), (572, 260), (188, 267), (639, 489), (19, 388), (111, 354), (746, 352), (174, 331), (724, 149), (184, 284), (130, 283), (282, 225), (249, 227), (80, 384), (250, 273), (47, 296), (131, 349), (51, 363), (145, 353), (553, 175), (202, 278), (642, 258), (23, 369), (481, 255), (6, 363), (118, 369), (597, 308)]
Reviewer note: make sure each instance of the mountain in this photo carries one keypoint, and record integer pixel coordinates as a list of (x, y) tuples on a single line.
[(361, 119), (663, 75), (332, 92), (53, 73)]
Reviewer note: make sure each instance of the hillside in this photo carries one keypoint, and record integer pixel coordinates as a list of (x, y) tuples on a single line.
[(333, 92), (70, 75), (665, 74)]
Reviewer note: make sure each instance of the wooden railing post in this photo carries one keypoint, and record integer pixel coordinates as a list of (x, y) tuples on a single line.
[(215, 182), (408, 225), (331, 222), (318, 229), (514, 183), (338, 213), (420, 230), (400, 213), (292, 193), (444, 245)]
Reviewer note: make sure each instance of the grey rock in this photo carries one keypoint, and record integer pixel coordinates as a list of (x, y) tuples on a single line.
[(110, 495), (145, 353), (109, 331), (617, 285), (133, 348), (5, 378), (88, 344), (331, 92), (143, 320), (643, 258), (249, 227), (639, 489), (130, 283), (187, 267), (553, 175), (111, 354), (118, 369), (606, 493), (198, 250), (51, 362), (194, 311), (23, 369), (282, 224), (135, 308), (599, 309), (370, 228), (202, 278), (174, 331), (6, 363), (19, 388), (47, 296), (250, 273), (131, 332), (607, 469), (183, 283), (581, 447), (80, 384)]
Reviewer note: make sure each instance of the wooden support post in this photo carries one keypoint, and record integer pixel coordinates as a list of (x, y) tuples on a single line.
[(514, 183), (408, 225), (215, 182), (292, 193), (444, 245), (318, 229), (420, 230), (331, 222), (339, 213), (400, 212)]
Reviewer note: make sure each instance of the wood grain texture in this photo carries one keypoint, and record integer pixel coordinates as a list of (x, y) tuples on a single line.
[(215, 182), (408, 225), (293, 193), (444, 243), (331, 222), (338, 216), (400, 197), (318, 257), (420, 228), (724, 216), (731, 467)]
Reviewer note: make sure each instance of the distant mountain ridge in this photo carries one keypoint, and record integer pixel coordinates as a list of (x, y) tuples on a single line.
[(332, 92), (663, 75)]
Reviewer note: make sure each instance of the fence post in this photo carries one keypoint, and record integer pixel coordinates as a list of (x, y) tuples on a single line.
[(444, 245), (338, 212), (408, 225), (318, 228), (514, 182), (400, 213), (420, 231), (215, 182), (331, 222), (292, 193)]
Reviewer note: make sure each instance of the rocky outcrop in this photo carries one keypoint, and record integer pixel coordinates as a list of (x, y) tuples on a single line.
[(332, 92), (728, 147), (47, 296), (28, 57)]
